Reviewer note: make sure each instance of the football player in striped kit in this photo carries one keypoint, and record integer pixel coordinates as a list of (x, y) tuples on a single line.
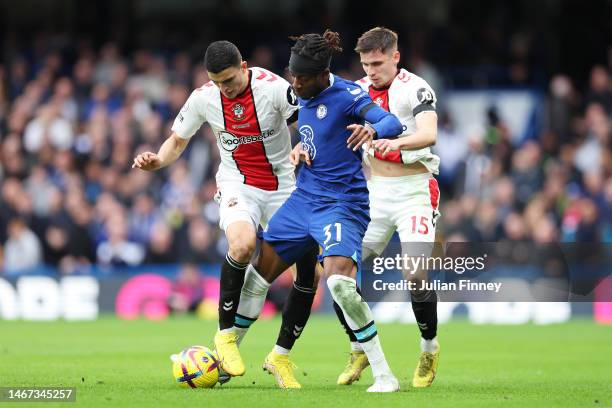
[(248, 109), (404, 195)]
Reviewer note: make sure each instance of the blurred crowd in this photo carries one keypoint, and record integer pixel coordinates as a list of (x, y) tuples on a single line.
[(556, 187), (68, 135), (70, 127)]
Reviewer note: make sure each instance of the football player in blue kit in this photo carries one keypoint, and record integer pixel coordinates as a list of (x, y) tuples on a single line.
[(329, 208)]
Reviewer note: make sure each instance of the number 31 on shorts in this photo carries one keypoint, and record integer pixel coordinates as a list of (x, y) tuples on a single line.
[(337, 230)]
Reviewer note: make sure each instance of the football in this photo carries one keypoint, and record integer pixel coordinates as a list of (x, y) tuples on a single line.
[(195, 367)]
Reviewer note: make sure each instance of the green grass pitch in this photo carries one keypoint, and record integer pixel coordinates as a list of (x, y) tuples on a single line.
[(123, 364)]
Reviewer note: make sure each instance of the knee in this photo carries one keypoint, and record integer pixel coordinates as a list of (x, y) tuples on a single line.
[(265, 271), (339, 266), (369, 254), (413, 279), (415, 282), (241, 250)]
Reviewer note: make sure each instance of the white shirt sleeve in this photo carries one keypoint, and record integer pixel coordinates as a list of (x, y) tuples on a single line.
[(191, 116), (421, 96), (284, 98)]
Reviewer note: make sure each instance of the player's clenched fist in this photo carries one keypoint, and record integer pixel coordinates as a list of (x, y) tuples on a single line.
[(298, 154), (148, 161)]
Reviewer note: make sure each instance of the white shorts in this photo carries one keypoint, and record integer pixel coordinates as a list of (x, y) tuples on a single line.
[(241, 202), (408, 204)]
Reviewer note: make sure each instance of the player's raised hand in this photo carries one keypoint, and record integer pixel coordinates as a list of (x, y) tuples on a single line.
[(361, 134), (148, 161), (298, 154), (384, 146)]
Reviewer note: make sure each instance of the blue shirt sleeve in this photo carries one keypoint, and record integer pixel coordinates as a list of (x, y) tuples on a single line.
[(363, 108), (360, 101), (384, 123)]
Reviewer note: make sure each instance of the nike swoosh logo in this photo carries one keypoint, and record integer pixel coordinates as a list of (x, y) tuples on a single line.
[(329, 246)]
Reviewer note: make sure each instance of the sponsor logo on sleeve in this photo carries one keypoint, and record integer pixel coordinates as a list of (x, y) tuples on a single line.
[(424, 95)]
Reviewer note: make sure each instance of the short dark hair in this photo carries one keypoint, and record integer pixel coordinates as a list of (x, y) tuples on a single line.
[(221, 55), (378, 38)]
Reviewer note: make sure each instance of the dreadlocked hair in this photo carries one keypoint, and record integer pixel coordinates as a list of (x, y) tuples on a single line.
[(317, 47)]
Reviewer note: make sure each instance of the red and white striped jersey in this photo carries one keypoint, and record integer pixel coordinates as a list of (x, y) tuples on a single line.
[(407, 96), (251, 129)]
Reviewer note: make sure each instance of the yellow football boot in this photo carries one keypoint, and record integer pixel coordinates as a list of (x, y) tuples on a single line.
[(358, 361), (426, 369), (226, 345), (281, 367)]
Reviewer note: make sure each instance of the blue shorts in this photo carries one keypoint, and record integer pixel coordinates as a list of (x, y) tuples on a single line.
[(305, 221)]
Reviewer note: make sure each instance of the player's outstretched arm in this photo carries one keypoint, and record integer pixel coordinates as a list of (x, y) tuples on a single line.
[(169, 151), (425, 135)]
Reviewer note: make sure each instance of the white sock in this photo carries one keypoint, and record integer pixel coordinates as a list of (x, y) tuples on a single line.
[(358, 315), (252, 299), (281, 350), (429, 346), (356, 346), (376, 357)]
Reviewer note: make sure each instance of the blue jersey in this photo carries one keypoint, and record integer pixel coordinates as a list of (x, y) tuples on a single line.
[(330, 206), (336, 169)]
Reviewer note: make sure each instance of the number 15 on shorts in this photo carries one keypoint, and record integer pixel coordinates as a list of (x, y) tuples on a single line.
[(333, 235)]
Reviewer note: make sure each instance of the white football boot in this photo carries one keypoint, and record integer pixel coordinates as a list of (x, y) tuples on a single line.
[(385, 383)]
